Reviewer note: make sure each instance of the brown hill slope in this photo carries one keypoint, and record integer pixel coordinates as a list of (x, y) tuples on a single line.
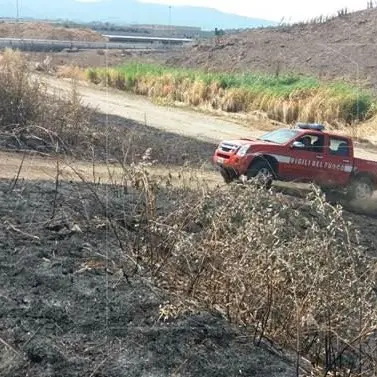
[(40, 30), (342, 47)]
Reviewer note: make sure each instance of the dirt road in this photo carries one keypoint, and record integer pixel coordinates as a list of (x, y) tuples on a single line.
[(36, 168), (137, 108), (183, 121)]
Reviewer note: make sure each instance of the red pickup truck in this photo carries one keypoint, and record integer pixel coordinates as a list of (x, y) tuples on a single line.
[(306, 153)]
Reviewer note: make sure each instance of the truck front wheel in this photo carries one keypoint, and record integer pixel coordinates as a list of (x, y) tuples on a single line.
[(261, 171), (228, 178), (361, 188)]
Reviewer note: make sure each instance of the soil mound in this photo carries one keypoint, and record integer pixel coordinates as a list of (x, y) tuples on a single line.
[(345, 46), (47, 31)]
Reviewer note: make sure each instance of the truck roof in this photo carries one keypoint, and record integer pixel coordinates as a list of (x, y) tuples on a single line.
[(317, 129)]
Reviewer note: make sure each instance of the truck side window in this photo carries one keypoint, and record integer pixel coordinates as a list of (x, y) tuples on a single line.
[(313, 143), (318, 144), (339, 147)]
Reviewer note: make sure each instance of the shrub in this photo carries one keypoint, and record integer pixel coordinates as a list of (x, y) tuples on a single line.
[(21, 99), (292, 272), (31, 118)]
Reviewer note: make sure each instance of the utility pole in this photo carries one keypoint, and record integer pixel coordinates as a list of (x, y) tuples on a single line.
[(170, 17), (170, 28), (17, 19)]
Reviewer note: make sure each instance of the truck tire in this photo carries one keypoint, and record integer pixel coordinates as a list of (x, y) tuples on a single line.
[(361, 188), (262, 172), (226, 176)]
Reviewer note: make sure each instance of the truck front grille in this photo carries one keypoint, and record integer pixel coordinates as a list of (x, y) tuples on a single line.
[(227, 147)]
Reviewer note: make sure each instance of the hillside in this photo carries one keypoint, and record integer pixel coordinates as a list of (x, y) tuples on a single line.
[(46, 31), (129, 11), (344, 47)]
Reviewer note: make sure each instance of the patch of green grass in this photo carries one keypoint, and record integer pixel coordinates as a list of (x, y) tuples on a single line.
[(280, 85), (250, 90)]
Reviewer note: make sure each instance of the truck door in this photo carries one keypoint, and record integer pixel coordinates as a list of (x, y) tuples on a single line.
[(338, 161), (306, 161)]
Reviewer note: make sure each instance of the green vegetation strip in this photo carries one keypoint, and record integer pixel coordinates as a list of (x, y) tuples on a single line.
[(286, 98)]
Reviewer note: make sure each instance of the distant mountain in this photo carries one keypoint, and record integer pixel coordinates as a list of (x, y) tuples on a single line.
[(129, 12)]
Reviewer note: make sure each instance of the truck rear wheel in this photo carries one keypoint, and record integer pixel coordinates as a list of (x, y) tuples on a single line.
[(361, 188), (261, 171)]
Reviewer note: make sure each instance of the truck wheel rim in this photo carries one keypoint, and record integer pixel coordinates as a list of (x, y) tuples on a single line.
[(363, 191), (264, 174)]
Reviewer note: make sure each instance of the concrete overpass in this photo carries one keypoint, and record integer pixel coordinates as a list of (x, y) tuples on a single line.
[(55, 45)]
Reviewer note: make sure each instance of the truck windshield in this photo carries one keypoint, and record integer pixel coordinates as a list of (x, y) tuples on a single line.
[(279, 136)]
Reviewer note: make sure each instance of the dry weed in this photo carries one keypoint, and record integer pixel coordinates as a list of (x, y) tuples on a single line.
[(71, 72), (294, 273), (30, 118), (21, 99)]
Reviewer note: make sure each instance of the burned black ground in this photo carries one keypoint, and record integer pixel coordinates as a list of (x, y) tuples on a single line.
[(66, 308)]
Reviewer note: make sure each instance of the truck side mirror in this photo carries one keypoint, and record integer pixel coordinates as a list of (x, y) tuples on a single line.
[(297, 145)]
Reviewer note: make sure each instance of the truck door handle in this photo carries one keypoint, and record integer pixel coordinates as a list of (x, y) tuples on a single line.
[(346, 161), (319, 156)]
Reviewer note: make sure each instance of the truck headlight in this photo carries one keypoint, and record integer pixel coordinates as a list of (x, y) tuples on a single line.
[(243, 150)]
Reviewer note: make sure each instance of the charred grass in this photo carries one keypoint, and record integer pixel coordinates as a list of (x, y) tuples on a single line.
[(292, 274), (79, 298)]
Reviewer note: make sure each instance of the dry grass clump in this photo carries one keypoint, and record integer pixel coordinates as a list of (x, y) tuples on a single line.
[(366, 131), (31, 118), (21, 100), (71, 72), (293, 272)]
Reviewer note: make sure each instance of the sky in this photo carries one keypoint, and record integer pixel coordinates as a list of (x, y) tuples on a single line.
[(274, 10)]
